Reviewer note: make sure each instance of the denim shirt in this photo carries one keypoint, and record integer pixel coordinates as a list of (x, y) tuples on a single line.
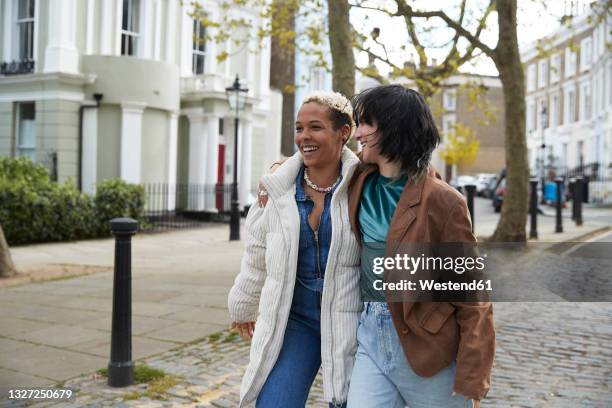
[(314, 246)]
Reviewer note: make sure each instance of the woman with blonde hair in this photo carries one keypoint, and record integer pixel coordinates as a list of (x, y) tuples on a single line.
[(297, 293)]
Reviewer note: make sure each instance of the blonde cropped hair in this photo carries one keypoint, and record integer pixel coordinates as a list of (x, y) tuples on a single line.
[(334, 101)]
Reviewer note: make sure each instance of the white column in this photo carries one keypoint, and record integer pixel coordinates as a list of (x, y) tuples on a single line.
[(61, 53), (212, 161), (172, 158), (146, 25), (8, 16), (197, 161), (107, 28), (89, 35), (89, 158), (131, 141), (244, 166), (157, 31), (170, 54), (186, 42)]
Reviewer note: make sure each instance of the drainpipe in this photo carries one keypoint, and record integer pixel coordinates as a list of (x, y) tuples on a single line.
[(98, 97)]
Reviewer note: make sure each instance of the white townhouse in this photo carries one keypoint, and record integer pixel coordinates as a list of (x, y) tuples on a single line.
[(131, 89), (569, 99)]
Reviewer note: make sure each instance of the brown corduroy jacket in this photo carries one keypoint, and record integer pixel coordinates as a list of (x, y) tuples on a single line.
[(435, 334)]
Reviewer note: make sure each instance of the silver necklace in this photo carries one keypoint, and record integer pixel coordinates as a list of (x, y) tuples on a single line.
[(312, 185)]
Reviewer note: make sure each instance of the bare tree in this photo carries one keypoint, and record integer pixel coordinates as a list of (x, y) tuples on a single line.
[(7, 268)]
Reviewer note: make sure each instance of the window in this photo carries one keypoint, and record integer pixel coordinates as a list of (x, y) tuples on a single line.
[(450, 100), (317, 78), (531, 108), (199, 45), (25, 29), (221, 126), (585, 101), (569, 110), (130, 27), (555, 68), (586, 52), (531, 78), (580, 154), (564, 155), (543, 73), (554, 110), (570, 62), (448, 124), (26, 131)]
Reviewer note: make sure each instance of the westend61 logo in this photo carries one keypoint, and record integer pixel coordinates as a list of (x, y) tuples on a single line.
[(413, 264)]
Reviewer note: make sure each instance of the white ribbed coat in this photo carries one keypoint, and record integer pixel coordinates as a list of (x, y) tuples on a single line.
[(263, 289)]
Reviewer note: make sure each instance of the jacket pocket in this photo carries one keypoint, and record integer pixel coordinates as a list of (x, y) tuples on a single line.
[(433, 321)]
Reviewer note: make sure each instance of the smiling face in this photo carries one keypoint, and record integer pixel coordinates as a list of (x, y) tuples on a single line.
[(367, 136), (315, 136)]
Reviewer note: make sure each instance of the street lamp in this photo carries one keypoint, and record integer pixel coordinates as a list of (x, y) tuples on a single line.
[(236, 97), (544, 116)]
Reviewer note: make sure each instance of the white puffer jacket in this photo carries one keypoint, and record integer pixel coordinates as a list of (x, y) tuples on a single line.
[(263, 289)]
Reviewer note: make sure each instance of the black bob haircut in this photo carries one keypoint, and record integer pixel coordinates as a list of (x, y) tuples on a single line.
[(407, 131)]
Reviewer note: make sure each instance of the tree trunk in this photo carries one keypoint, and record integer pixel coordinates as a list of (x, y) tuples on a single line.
[(7, 268), (282, 76), (511, 225), (341, 44)]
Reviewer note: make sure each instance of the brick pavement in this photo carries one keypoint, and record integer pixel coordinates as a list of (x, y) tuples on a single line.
[(548, 355)]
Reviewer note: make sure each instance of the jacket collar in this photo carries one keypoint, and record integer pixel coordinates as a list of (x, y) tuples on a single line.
[(283, 178)]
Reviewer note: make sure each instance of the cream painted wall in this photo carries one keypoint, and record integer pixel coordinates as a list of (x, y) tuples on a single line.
[(123, 79), (154, 146), (109, 131)]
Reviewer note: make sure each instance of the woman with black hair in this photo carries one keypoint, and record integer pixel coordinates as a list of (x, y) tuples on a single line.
[(421, 354)]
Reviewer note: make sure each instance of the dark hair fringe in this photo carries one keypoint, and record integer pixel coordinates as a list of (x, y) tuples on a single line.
[(408, 132)]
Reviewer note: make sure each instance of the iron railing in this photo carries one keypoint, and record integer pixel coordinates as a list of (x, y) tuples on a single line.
[(179, 206)]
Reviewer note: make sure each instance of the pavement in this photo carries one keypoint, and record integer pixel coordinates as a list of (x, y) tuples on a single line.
[(57, 333)]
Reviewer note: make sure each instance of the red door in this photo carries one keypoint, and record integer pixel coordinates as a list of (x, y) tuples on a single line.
[(220, 177)]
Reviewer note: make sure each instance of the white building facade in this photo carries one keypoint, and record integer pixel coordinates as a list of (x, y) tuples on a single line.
[(163, 115), (569, 101)]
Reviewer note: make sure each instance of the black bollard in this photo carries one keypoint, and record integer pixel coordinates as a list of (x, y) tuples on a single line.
[(578, 197), (471, 190), (121, 366), (533, 209), (571, 188), (559, 226)]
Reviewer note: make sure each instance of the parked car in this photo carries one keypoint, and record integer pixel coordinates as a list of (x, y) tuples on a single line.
[(460, 182), (482, 181), (498, 197), (489, 190)]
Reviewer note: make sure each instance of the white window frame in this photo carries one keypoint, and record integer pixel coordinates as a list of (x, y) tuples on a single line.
[(450, 99), (196, 52), (543, 73), (555, 68), (585, 107), (132, 32), (586, 53), (20, 148), (569, 105), (554, 110), (448, 123), (531, 108), (570, 62), (28, 21), (531, 77)]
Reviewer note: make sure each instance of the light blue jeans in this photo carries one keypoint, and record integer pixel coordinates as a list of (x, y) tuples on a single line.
[(382, 377)]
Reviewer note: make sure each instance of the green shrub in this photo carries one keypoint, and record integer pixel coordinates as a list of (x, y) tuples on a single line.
[(22, 169), (116, 198), (33, 209)]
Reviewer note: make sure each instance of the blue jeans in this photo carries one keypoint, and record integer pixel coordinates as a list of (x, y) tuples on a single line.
[(289, 382), (382, 376)]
